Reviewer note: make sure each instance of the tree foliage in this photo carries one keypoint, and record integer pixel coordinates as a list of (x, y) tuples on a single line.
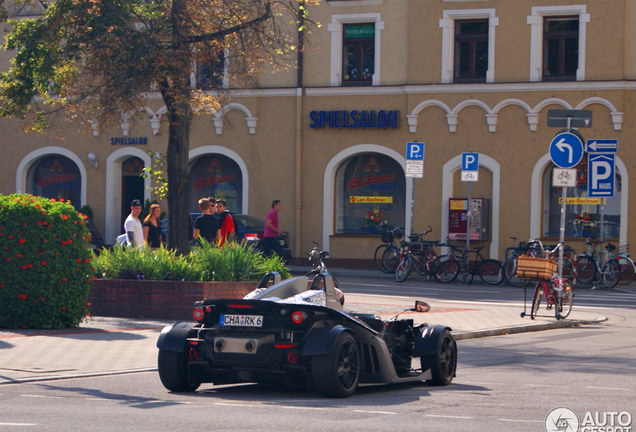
[(96, 60)]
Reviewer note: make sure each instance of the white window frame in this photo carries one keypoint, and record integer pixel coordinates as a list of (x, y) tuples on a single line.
[(336, 28), (536, 36), (447, 24)]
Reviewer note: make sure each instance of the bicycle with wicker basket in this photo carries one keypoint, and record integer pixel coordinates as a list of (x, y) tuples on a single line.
[(557, 291)]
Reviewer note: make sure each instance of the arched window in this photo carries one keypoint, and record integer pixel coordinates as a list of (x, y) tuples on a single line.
[(370, 193), (216, 176), (582, 214), (56, 176)]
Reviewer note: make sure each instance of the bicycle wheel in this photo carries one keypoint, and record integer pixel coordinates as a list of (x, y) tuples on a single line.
[(568, 269), (419, 263), (446, 271), (403, 268), (585, 270), (465, 274), (379, 252), (611, 273), (564, 300), (391, 259), (510, 273), (536, 300), (627, 271), (490, 272)]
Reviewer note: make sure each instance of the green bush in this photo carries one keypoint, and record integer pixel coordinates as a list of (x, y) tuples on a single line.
[(231, 262), (46, 271)]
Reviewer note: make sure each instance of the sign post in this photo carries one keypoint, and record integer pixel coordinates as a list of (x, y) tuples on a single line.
[(470, 174), (566, 151), (414, 168)]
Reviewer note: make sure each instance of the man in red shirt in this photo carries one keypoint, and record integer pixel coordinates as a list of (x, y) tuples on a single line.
[(227, 230)]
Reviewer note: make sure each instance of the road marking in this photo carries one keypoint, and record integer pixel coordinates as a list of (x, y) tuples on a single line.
[(302, 408), (43, 396), (374, 412), (235, 404), (609, 388), (521, 421), (18, 424), (447, 416)]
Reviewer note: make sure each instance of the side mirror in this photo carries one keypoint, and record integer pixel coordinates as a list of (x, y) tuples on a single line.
[(421, 306)]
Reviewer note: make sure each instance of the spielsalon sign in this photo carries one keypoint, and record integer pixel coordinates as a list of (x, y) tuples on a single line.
[(354, 119)]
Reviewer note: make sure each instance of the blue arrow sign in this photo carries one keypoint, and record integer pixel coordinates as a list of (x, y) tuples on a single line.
[(602, 146), (601, 171), (566, 150), (470, 161), (415, 151)]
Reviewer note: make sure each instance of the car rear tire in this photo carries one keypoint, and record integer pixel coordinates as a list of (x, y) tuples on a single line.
[(173, 372), (337, 374), (443, 363)]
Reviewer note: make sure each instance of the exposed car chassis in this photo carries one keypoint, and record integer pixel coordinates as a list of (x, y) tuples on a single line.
[(296, 333)]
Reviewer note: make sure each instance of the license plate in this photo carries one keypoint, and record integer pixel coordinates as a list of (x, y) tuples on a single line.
[(241, 320)]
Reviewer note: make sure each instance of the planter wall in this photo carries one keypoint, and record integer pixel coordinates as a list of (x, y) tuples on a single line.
[(158, 299)]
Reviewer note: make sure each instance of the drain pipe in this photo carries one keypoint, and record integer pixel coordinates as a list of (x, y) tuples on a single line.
[(299, 129)]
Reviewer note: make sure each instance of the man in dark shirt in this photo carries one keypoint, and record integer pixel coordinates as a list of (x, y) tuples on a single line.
[(206, 225)]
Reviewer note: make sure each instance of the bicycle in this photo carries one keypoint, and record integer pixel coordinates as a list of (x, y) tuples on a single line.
[(512, 258), (532, 249), (416, 255), (588, 267), (455, 264), (558, 291), (627, 268), (386, 255)]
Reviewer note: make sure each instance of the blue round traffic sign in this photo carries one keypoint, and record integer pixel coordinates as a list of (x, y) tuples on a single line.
[(566, 150)]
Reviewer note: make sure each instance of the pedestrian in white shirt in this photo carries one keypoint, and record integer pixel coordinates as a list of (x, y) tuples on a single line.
[(133, 228)]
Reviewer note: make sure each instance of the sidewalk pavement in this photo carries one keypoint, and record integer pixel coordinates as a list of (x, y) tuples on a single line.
[(103, 346)]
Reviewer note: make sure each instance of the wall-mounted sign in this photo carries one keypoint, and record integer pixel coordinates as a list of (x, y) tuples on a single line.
[(371, 199), (354, 119), (129, 141)]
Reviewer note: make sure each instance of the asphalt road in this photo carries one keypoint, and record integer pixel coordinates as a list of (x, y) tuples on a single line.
[(503, 383)]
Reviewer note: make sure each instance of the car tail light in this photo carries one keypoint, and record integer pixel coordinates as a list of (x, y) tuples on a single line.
[(252, 236), (198, 314), (284, 346), (297, 317), (240, 306)]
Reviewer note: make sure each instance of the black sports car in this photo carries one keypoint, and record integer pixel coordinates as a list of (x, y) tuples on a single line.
[(297, 334)]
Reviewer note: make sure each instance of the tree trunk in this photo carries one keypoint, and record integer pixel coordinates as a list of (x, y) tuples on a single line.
[(180, 119)]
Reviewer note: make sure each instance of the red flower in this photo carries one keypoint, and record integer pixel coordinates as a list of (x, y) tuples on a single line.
[(63, 307), (64, 217), (64, 242), (22, 240), (43, 263), (79, 260), (19, 255), (21, 296), (30, 265), (63, 279), (23, 267), (8, 259), (52, 200), (10, 236), (61, 199)]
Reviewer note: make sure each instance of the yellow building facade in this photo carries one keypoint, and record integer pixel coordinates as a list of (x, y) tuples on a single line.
[(456, 75)]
